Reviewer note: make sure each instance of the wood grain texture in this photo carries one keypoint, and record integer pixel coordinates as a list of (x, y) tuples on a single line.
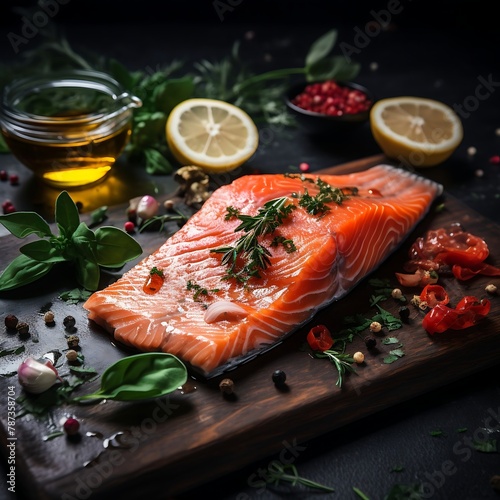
[(170, 445)]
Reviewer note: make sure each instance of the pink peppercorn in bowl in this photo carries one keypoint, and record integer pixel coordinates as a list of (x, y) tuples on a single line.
[(329, 107)]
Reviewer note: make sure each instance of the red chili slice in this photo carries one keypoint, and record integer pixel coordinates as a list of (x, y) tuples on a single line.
[(434, 295), (467, 313), (465, 273), (319, 338)]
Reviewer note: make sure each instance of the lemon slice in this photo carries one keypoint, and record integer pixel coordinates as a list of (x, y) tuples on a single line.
[(422, 132), (214, 135)]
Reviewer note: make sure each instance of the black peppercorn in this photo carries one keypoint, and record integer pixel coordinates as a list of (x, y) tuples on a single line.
[(279, 377), (370, 342), (404, 314), (11, 321), (69, 322)]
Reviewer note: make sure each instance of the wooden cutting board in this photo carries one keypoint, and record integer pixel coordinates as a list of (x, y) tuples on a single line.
[(196, 434)]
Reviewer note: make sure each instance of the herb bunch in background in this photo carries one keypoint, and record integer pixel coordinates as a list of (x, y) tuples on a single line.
[(161, 89), (88, 250)]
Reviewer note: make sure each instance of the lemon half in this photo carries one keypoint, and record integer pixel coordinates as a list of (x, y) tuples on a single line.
[(422, 132), (214, 135)]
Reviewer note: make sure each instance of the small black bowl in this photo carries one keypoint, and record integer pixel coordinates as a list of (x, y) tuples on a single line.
[(321, 124)]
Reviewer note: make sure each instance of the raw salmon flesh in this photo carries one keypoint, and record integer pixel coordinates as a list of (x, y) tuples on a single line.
[(211, 320)]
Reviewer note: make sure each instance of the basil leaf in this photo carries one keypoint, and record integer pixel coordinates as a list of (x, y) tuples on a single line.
[(42, 251), (141, 376), (66, 214), (87, 273), (84, 242), (336, 68), (321, 48), (115, 247), (21, 271), (345, 70), (22, 224)]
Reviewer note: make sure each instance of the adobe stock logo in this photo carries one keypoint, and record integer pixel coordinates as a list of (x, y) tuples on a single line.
[(32, 25)]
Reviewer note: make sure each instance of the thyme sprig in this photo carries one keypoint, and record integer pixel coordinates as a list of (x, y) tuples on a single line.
[(248, 249), (317, 204), (199, 290)]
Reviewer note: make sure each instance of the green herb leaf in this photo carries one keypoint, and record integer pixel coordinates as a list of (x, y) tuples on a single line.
[(398, 468), (76, 295), (66, 215), (115, 247), (141, 376), (22, 224), (3, 146), (390, 340), (42, 251), (13, 350), (488, 446), (390, 359), (437, 433), (321, 48), (98, 215), (87, 273), (22, 271), (84, 241), (359, 493), (288, 472), (156, 163), (171, 92), (403, 491)]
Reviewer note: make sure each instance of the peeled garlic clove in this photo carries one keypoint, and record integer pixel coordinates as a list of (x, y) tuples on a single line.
[(36, 377), (147, 207)]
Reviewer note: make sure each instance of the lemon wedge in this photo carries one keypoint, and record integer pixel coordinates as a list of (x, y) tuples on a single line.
[(422, 132), (214, 135)]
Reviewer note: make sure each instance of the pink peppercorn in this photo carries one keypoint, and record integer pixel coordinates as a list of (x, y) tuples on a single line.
[(3, 175), (304, 167), (14, 179), (330, 98), (8, 207), (71, 426), (495, 160), (129, 226)]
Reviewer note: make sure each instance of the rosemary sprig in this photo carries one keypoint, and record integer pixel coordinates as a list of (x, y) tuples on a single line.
[(288, 472), (343, 363), (255, 256)]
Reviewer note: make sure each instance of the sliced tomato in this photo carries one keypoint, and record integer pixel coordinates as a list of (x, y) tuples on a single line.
[(467, 313), (434, 295), (319, 338)]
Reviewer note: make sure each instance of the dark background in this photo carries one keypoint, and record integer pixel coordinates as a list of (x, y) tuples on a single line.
[(432, 49)]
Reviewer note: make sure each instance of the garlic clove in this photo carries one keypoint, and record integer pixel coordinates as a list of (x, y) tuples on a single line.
[(36, 377), (147, 207)]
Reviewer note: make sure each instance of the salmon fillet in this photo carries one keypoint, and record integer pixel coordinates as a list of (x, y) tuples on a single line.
[(333, 251)]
